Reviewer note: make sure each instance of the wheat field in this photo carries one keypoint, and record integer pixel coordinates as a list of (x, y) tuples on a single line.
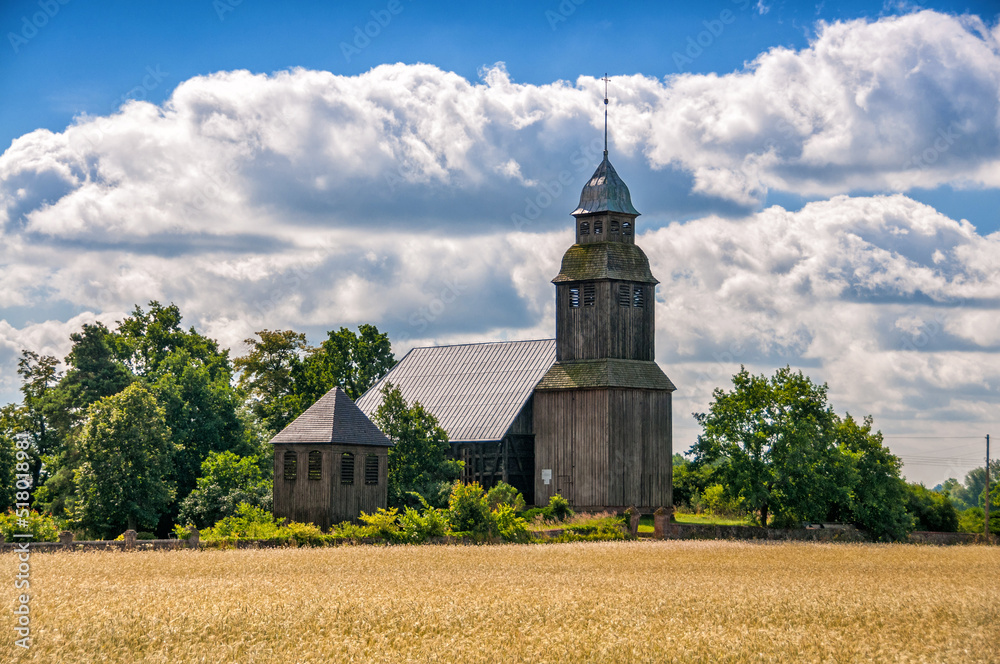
[(584, 602)]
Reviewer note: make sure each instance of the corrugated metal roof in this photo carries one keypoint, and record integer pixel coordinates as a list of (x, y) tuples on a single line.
[(605, 260), (605, 192), (334, 418), (474, 390), (609, 372)]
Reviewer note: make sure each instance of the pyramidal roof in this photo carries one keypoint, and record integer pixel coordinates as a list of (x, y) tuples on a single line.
[(333, 419), (605, 192)]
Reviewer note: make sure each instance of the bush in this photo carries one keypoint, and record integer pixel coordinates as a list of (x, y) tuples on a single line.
[(145, 536), (43, 527), (383, 524), (504, 494), (419, 527), (468, 510), (717, 502), (931, 511), (509, 525), (972, 521), (558, 508)]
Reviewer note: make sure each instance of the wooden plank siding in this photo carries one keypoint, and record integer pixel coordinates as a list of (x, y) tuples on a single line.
[(326, 501), (606, 448), (605, 329)]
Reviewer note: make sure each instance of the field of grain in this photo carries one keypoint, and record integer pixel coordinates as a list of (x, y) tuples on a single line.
[(586, 602)]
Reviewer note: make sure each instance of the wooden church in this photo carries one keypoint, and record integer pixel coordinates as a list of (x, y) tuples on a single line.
[(586, 415)]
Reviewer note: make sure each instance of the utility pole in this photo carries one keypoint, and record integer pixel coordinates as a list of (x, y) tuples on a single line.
[(987, 508)]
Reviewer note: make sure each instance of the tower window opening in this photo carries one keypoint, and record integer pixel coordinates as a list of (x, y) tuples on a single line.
[(589, 295), (574, 297), (347, 468), (371, 469), (291, 461), (315, 465), (614, 228), (638, 297), (598, 227), (584, 228), (624, 296), (626, 228)]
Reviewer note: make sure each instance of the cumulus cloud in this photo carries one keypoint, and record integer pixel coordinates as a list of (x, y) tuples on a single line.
[(436, 208)]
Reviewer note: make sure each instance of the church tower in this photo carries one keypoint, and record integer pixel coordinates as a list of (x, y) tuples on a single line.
[(602, 413)]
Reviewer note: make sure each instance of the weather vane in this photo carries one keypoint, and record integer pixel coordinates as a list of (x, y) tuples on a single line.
[(605, 79)]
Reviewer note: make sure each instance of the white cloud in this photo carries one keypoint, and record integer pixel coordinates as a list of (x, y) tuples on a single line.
[(309, 200)]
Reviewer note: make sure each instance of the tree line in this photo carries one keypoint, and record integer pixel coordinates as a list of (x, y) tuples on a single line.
[(774, 449), (150, 424)]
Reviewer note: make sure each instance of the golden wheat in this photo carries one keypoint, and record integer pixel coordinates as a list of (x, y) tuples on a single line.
[(587, 602)]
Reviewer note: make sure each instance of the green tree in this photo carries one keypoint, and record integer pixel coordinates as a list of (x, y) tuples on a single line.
[(774, 438), (877, 499), (10, 430), (268, 373), (930, 510), (419, 459), (352, 361), (125, 453), (691, 479), (93, 373), (226, 481)]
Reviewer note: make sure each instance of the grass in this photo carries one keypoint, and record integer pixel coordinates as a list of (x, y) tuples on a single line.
[(646, 521), (643, 601)]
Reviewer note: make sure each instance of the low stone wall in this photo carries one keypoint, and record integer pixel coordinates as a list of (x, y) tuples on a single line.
[(700, 531), (928, 537)]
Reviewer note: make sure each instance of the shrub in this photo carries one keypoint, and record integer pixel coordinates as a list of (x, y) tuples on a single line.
[(383, 524), (305, 534), (145, 536), (717, 502), (972, 521), (43, 527), (559, 508), (418, 527), (468, 510), (349, 531), (504, 494), (249, 522), (509, 525)]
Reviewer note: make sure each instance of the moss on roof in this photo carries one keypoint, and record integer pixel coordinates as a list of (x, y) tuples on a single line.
[(605, 373), (605, 260)]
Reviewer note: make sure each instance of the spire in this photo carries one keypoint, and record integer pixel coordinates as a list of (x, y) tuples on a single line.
[(605, 79)]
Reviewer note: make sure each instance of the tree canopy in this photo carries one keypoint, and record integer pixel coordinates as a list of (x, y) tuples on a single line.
[(419, 460), (125, 455), (778, 448)]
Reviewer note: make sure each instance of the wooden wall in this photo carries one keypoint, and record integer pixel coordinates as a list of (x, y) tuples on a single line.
[(607, 448), (510, 460), (326, 501), (606, 329)]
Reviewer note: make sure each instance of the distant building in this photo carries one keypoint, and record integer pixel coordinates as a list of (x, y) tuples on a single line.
[(330, 464)]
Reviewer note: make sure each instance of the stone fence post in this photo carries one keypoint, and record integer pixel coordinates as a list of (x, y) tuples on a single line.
[(130, 539), (66, 539), (633, 521), (194, 538), (661, 522)]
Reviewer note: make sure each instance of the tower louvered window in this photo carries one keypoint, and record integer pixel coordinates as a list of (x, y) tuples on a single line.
[(584, 228), (624, 295), (614, 228), (347, 468), (315, 465), (589, 295), (290, 460), (626, 228), (638, 297), (574, 297), (371, 469), (598, 227)]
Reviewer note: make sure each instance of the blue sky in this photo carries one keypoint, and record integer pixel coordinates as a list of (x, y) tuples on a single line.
[(804, 170)]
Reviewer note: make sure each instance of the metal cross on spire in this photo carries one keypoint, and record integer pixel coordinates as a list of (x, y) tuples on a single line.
[(605, 79)]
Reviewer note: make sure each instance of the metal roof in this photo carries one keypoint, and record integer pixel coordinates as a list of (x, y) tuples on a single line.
[(333, 419), (474, 390), (605, 192)]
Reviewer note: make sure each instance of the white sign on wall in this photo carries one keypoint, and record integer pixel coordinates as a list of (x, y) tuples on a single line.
[(547, 475)]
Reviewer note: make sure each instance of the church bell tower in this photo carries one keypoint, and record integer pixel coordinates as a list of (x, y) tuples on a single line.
[(602, 413)]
